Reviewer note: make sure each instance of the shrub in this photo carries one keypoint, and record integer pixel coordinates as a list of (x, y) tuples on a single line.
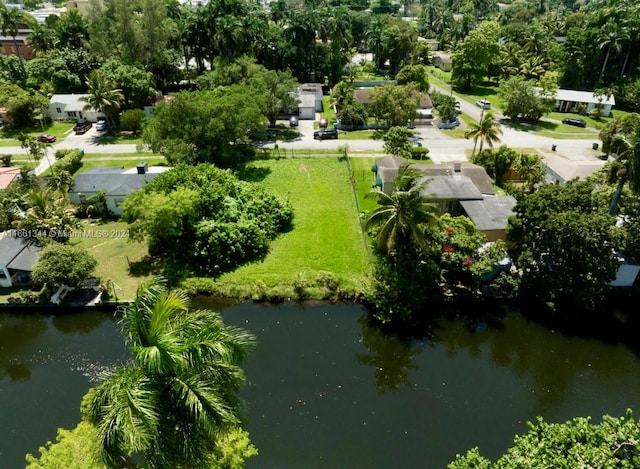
[(69, 160), (595, 113)]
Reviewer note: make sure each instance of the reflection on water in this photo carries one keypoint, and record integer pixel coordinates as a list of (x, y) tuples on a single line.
[(327, 389), (391, 356), (46, 365)]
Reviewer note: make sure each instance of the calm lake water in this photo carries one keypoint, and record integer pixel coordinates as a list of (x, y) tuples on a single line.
[(326, 390)]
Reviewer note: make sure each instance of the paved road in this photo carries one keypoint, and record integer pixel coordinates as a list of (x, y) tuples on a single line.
[(442, 147)]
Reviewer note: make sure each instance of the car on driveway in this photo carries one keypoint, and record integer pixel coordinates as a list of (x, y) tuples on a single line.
[(449, 124), (293, 121), (82, 127), (483, 103), (101, 125), (325, 134), (47, 138), (574, 121), (323, 123)]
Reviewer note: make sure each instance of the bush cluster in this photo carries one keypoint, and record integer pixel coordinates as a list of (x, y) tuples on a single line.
[(206, 217), (69, 160)]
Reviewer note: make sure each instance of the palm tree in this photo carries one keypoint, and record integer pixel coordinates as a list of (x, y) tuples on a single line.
[(11, 19), (178, 395), (102, 96), (487, 130), (47, 211), (613, 39), (626, 167), (401, 215)]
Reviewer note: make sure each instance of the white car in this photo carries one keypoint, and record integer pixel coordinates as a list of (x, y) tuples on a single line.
[(483, 103), (101, 125)]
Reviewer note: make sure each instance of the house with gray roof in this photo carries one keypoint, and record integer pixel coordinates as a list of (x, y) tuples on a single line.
[(116, 182), (71, 107), (18, 256), (459, 188)]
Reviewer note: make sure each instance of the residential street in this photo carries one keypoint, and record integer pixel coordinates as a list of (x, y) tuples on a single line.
[(442, 148)]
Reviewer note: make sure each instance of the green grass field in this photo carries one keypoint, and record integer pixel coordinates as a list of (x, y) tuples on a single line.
[(326, 236), (118, 257), (8, 134)]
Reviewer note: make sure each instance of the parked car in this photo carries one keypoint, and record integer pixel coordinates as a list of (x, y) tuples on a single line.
[(323, 122), (450, 124), (574, 121), (457, 107), (47, 138), (483, 103), (293, 121), (82, 127), (325, 134), (101, 125)]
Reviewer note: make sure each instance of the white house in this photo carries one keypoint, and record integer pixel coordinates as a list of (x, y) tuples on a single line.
[(18, 255), (116, 182), (70, 107), (566, 100)]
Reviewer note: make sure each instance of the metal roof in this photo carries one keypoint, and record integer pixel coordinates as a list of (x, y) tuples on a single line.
[(584, 97)]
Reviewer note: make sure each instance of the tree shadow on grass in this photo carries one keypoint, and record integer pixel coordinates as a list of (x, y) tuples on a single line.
[(146, 266), (252, 173)]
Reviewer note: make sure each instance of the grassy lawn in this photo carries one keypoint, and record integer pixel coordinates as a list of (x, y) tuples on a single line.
[(364, 180), (327, 110), (119, 258), (326, 236), (359, 134), (120, 137), (8, 134), (553, 130)]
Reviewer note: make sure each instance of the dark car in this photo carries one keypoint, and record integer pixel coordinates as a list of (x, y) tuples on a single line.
[(47, 138), (325, 134), (574, 121), (82, 127)]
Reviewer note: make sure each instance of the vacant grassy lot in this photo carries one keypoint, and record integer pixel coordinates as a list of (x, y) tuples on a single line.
[(325, 244), (119, 259), (9, 135)]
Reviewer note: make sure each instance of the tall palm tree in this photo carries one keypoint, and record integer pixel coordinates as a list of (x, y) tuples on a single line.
[(626, 167), (102, 96), (612, 39), (487, 130), (11, 20), (178, 395), (401, 216)]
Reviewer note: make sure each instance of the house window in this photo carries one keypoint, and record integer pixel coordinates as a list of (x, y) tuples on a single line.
[(118, 202), (3, 275), (72, 113), (58, 110), (83, 198)]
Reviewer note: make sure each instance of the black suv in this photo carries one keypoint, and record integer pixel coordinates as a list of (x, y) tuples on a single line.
[(82, 127), (325, 133), (574, 121)]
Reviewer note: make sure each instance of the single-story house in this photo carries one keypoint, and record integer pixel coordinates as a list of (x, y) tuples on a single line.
[(7, 176), (8, 45), (425, 106), (458, 188), (567, 100), (433, 43), (116, 181), (150, 108), (312, 89), (307, 107), (442, 61), (70, 107), (18, 256)]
